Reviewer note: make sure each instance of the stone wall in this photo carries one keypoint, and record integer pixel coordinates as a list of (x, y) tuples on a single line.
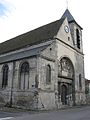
[(46, 96), (77, 60), (46, 92), (12, 93)]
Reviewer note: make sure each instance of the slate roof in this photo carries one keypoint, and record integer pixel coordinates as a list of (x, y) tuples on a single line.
[(70, 18), (40, 34), (22, 54), (36, 36), (67, 14)]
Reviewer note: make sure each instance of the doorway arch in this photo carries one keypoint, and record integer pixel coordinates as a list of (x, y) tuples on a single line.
[(66, 83)]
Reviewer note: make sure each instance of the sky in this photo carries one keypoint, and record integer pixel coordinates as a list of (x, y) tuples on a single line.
[(20, 16)]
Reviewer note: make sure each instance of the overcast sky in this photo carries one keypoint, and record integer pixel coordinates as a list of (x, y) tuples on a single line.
[(20, 16)]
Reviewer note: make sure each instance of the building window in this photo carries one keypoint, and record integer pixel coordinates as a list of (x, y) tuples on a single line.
[(24, 76), (48, 74), (80, 82), (68, 38), (5, 76), (78, 38)]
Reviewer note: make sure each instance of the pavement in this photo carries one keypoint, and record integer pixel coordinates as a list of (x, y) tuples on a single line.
[(82, 113), (74, 113)]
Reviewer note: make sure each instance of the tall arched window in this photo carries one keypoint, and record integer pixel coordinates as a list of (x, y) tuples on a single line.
[(48, 74), (5, 76), (78, 38), (24, 76)]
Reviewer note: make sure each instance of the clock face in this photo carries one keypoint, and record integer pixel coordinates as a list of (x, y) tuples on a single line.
[(66, 28)]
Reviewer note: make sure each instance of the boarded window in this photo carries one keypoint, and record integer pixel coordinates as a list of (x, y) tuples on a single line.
[(24, 76), (48, 74), (5, 76)]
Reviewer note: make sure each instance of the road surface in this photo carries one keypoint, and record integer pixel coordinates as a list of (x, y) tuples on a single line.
[(82, 113)]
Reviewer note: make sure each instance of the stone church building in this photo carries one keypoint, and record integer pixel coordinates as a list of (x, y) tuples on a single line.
[(44, 68)]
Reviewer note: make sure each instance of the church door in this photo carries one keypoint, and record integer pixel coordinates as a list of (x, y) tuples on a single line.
[(64, 94)]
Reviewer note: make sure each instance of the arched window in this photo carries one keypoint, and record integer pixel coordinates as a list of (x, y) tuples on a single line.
[(78, 38), (5, 76), (48, 74), (24, 76)]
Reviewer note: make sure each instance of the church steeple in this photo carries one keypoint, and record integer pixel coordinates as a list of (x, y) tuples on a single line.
[(75, 30), (70, 18), (67, 14)]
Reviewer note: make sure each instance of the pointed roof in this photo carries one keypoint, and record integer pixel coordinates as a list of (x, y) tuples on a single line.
[(70, 18), (67, 14)]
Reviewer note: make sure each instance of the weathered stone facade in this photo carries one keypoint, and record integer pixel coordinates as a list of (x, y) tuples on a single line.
[(47, 75)]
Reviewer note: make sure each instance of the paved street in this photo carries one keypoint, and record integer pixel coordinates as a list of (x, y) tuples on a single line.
[(68, 114), (9, 115)]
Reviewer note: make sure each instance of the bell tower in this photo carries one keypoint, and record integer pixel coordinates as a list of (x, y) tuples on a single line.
[(75, 29), (76, 35)]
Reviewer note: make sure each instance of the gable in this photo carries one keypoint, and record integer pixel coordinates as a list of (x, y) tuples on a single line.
[(63, 35)]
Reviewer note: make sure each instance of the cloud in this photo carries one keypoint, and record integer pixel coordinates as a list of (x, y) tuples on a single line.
[(5, 7)]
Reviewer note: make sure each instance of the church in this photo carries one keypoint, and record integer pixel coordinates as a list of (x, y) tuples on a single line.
[(44, 68)]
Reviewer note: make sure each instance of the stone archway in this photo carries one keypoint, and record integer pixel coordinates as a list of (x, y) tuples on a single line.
[(66, 90)]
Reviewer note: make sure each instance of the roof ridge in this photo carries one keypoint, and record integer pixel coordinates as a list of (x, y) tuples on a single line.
[(62, 19), (41, 34)]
